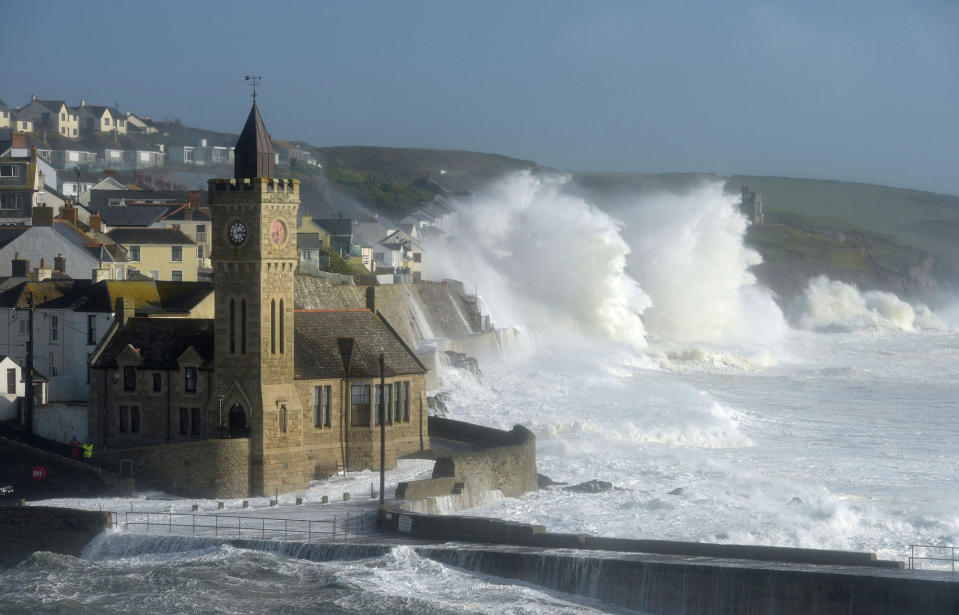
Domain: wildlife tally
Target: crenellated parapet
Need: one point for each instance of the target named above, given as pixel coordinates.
(253, 190)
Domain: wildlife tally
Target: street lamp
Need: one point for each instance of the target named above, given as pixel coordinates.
(219, 403)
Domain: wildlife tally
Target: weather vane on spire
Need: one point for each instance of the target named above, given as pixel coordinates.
(254, 81)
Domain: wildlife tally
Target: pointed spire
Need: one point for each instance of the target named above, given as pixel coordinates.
(254, 155)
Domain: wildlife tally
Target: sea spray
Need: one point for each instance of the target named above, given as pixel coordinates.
(546, 260)
(830, 304)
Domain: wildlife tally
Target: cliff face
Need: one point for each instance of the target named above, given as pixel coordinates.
(798, 248)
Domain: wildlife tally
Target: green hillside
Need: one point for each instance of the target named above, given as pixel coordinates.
(927, 220)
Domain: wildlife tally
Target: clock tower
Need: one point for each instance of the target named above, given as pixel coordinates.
(254, 258)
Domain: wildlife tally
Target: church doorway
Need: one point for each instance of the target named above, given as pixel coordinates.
(238, 425)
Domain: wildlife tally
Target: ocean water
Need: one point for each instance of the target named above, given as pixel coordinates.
(641, 351)
(650, 358)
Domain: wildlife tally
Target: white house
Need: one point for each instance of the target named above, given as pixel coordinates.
(11, 387)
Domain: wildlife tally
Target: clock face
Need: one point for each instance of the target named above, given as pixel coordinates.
(237, 232)
(277, 232)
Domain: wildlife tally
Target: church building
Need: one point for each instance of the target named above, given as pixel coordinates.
(263, 397)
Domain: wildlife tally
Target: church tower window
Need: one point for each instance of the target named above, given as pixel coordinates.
(273, 326)
(282, 329)
(232, 326)
(242, 326)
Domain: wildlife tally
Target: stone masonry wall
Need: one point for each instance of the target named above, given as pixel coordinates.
(504, 461)
(205, 468)
(27, 529)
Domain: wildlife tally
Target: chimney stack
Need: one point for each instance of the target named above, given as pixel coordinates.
(101, 274)
(125, 309)
(43, 272)
(20, 266)
(109, 173)
(371, 298)
(69, 213)
(18, 140)
(60, 263)
(95, 222)
(194, 198)
(42, 216)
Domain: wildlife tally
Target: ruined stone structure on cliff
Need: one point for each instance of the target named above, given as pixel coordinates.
(752, 205)
(297, 389)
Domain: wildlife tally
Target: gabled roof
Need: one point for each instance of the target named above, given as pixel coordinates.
(53, 105)
(308, 241)
(254, 154)
(146, 236)
(322, 349)
(9, 233)
(149, 296)
(132, 215)
(178, 213)
(338, 226)
(161, 341)
(97, 110)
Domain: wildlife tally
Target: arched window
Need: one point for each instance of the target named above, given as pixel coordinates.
(283, 418)
(282, 330)
(243, 326)
(273, 326)
(232, 326)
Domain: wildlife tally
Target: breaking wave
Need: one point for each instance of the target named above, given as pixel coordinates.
(831, 305)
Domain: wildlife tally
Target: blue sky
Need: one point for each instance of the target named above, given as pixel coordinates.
(861, 91)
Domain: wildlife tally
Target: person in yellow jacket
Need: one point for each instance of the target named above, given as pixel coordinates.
(88, 451)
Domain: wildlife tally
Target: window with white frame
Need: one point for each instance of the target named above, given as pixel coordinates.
(176, 275)
(199, 251)
(135, 253)
(9, 170)
(201, 233)
(176, 254)
(54, 328)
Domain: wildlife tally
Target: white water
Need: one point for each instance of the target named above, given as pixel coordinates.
(657, 363)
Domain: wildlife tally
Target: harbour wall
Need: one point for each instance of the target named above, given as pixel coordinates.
(26, 529)
(494, 462)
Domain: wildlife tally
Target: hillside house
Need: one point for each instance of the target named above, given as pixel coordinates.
(99, 118)
(51, 115)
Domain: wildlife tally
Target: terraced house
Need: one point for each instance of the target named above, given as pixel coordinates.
(298, 389)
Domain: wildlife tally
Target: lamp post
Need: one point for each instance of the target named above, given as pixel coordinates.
(219, 403)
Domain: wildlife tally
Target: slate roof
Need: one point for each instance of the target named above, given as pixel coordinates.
(323, 348)
(178, 212)
(132, 215)
(101, 198)
(54, 105)
(98, 110)
(337, 226)
(149, 296)
(254, 154)
(149, 236)
(161, 341)
(9, 233)
(308, 241)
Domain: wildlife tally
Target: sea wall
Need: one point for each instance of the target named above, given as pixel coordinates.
(671, 585)
(64, 475)
(207, 468)
(26, 529)
(490, 461)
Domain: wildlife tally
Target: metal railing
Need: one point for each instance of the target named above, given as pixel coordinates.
(932, 553)
(343, 528)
